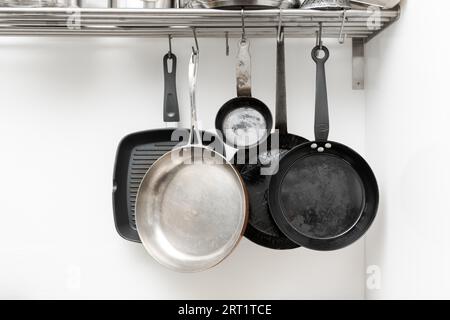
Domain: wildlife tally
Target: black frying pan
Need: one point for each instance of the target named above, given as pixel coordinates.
(325, 195)
(138, 151)
(261, 227)
(244, 122)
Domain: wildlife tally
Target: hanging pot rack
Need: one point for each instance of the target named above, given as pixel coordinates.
(179, 22)
(360, 25)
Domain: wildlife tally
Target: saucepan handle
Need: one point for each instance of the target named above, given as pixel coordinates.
(243, 69)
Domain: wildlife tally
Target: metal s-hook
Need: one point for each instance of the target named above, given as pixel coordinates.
(343, 35)
(227, 43)
(195, 50)
(319, 42)
(280, 25)
(170, 46)
(243, 36)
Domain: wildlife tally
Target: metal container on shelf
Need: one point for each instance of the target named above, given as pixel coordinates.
(193, 4)
(241, 4)
(238, 4)
(326, 5)
(385, 4)
(159, 4)
(35, 3)
(290, 4)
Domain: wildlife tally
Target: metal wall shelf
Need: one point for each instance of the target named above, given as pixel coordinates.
(179, 22)
(360, 25)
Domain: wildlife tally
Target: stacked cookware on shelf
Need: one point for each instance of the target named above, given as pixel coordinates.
(189, 203)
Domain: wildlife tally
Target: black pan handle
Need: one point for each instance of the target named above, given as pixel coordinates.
(322, 121)
(171, 110)
(280, 109)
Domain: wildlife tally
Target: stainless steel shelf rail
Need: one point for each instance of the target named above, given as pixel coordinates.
(179, 22)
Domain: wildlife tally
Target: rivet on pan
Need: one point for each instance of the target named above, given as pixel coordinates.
(314, 146)
(321, 149)
(328, 145)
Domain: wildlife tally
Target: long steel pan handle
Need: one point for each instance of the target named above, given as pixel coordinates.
(195, 137)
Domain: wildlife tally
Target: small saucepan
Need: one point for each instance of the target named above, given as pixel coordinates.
(244, 122)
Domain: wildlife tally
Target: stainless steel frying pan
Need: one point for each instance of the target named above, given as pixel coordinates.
(191, 207)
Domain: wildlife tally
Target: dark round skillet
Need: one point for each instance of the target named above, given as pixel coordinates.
(243, 122)
(259, 167)
(325, 195)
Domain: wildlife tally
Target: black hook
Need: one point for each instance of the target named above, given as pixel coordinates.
(343, 35)
(280, 25)
(319, 42)
(227, 44)
(243, 24)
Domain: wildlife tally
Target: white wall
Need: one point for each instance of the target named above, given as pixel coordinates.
(407, 120)
(66, 103)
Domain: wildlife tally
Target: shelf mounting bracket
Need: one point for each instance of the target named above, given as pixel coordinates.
(358, 64)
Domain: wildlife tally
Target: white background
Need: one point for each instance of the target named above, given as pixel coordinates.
(407, 142)
(66, 103)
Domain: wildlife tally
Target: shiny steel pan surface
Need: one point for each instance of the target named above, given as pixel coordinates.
(191, 208)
